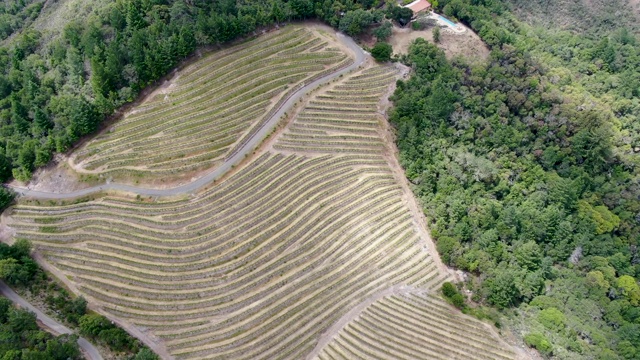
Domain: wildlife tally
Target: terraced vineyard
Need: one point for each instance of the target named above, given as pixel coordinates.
(212, 107)
(265, 263)
(342, 119)
(414, 326)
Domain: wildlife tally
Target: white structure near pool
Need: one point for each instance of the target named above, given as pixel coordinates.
(423, 6)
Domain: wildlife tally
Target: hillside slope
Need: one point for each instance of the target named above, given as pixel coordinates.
(262, 264)
(580, 15)
(527, 167)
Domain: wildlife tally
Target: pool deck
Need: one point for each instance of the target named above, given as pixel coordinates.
(456, 28)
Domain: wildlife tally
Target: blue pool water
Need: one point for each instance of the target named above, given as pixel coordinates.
(447, 20)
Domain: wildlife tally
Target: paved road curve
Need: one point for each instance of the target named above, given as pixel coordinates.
(228, 164)
(52, 324)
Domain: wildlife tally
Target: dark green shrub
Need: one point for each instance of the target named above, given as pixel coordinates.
(6, 197)
(448, 290)
(458, 300)
(382, 52)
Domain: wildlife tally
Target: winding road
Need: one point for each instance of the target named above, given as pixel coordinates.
(189, 188)
(229, 163)
(88, 348)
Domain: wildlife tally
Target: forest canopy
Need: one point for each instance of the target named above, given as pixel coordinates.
(526, 167)
(22, 339)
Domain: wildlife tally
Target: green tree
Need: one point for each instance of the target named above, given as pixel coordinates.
(436, 34)
(529, 255)
(6, 197)
(382, 52)
(384, 31)
(93, 324)
(5, 306)
(501, 289)
(355, 22)
(21, 248)
(303, 8)
(12, 355)
(458, 301)
(448, 247)
(552, 319)
(75, 309)
(116, 338)
(402, 15)
(276, 13)
(531, 285)
(146, 354)
(135, 14)
(41, 122)
(448, 289)
(539, 342)
(64, 347)
(11, 271)
(630, 289)
(596, 280)
(627, 350)
(603, 219)
(21, 320)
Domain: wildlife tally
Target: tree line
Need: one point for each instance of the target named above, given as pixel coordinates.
(56, 89)
(526, 168)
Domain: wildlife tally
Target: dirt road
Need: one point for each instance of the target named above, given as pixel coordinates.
(229, 163)
(88, 349)
(194, 186)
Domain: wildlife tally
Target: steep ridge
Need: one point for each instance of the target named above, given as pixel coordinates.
(272, 262)
(265, 263)
(211, 108)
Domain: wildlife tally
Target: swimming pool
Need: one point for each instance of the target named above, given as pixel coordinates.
(451, 23)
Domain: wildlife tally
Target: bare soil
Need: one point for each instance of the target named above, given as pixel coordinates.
(58, 177)
(467, 45)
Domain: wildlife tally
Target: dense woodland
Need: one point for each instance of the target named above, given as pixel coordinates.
(20, 338)
(16, 14)
(527, 169)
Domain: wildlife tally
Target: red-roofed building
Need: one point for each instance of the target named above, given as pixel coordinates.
(419, 6)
